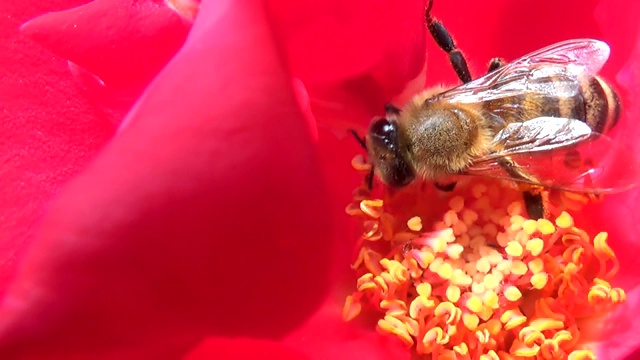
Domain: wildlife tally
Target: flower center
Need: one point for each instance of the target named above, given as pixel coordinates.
(481, 281)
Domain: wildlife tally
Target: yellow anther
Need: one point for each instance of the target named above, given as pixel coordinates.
(514, 249)
(370, 228)
(415, 223)
(470, 321)
(483, 336)
(518, 267)
(424, 289)
(491, 300)
(474, 304)
(448, 310)
(530, 226)
(478, 287)
(520, 349)
(351, 308)
(453, 293)
(359, 163)
(530, 336)
(420, 306)
(398, 273)
(546, 227)
(436, 264)
(371, 261)
(504, 266)
(460, 228)
(435, 336)
(544, 324)
(387, 224)
(539, 280)
(491, 282)
(512, 293)
(450, 218)
(515, 208)
(503, 239)
(372, 208)
(601, 246)
(394, 307)
(562, 336)
(425, 258)
(536, 265)
(454, 250)
(456, 203)
(469, 216)
(490, 230)
(512, 319)
(486, 313)
(461, 349)
(582, 355)
(439, 245)
(353, 209)
(395, 327)
(564, 221)
(535, 246)
(483, 265)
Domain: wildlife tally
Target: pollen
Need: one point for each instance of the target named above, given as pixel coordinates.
(467, 275)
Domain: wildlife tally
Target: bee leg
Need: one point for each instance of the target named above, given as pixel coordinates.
(446, 187)
(359, 139)
(534, 197)
(369, 179)
(446, 43)
(534, 203)
(495, 64)
(391, 109)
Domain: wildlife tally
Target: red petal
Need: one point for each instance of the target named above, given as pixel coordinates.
(48, 131)
(206, 213)
(243, 349)
(327, 336)
(329, 41)
(353, 57)
(617, 213)
(124, 42)
(621, 330)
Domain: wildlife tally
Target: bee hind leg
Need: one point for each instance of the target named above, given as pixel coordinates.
(446, 43)
(535, 203)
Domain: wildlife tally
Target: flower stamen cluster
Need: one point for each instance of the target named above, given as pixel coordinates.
(482, 280)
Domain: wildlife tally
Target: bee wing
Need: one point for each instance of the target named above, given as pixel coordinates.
(552, 71)
(562, 154)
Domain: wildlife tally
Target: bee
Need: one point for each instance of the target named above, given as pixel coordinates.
(540, 121)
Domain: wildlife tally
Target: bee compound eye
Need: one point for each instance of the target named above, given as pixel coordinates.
(382, 128)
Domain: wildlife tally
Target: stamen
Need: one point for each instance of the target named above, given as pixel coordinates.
(472, 277)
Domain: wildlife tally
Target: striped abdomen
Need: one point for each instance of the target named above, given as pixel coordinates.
(592, 101)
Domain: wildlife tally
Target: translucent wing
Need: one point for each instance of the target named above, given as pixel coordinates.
(538, 134)
(561, 154)
(552, 72)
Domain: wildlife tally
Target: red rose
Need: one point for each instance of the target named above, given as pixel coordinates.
(215, 207)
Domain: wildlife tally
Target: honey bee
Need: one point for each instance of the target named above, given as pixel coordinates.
(540, 121)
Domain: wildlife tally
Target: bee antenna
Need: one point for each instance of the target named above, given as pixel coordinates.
(359, 139)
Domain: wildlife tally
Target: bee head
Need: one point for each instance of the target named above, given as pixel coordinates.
(387, 155)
